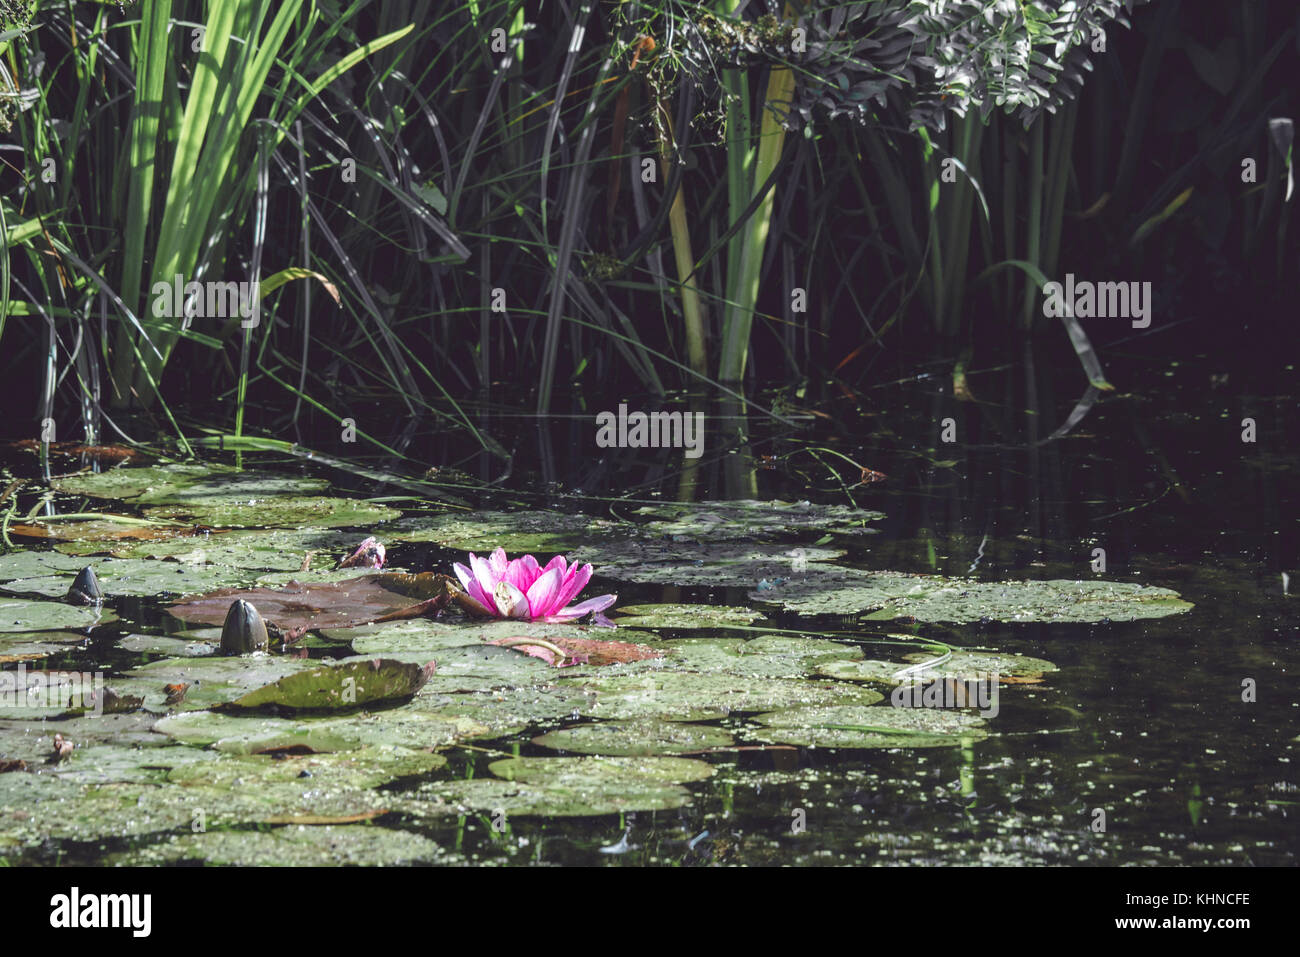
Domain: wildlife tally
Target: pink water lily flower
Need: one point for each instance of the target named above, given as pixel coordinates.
(523, 589)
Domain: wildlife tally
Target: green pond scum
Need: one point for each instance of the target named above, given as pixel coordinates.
(406, 725)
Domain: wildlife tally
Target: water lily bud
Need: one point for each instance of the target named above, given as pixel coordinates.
(244, 630)
(85, 589)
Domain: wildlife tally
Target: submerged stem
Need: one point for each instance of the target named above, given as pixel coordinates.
(560, 653)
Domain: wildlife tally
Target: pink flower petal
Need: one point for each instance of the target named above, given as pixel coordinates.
(558, 562)
(498, 562)
(473, 589)
(579, 575)
(510, 601)
(484, 575)
(542, 596)
(522, 573)
(585, 608)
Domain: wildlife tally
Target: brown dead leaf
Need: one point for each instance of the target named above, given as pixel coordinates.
(584, 650)
(93, 530)
(384, 596)
(315, 819)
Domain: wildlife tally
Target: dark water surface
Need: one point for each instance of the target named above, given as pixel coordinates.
(1144, 723)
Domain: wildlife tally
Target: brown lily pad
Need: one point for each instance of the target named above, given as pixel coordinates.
(298, 607)
(95, 530)
(104, 453)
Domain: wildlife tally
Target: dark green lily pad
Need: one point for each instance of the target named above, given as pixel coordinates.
(253, 735)
(48, 692)
(962, 665)
(685, 616)
(769, 656)
(747, 519)
(494, 796)
(479, 668)
(103, 531)
(277, 512)
(873, 727)
(534, 532)
(315, 576)
(350, 684)
(395, 637)
(635, 738)
(33, 564)
(716, 566)
(108, 763)
(887, 595)
(598, 771)
(702, 697)
(397, 727)
(175, 647)
(366, 767)
(618, 550)
(24, 615)
(18, 646)
(26, 651)
(108, 747)
(403, 637)
(185, 483)
(353, 845)
(138, 578)
(38, 807)
(211, 680)
(563, 787)
(249, 550)
(35, 808)
(509, 711)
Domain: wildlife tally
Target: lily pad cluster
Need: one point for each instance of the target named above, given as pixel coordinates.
(287, 758)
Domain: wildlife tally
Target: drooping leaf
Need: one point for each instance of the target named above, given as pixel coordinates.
(335, 687)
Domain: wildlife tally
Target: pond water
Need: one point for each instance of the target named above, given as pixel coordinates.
(1170, 739)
